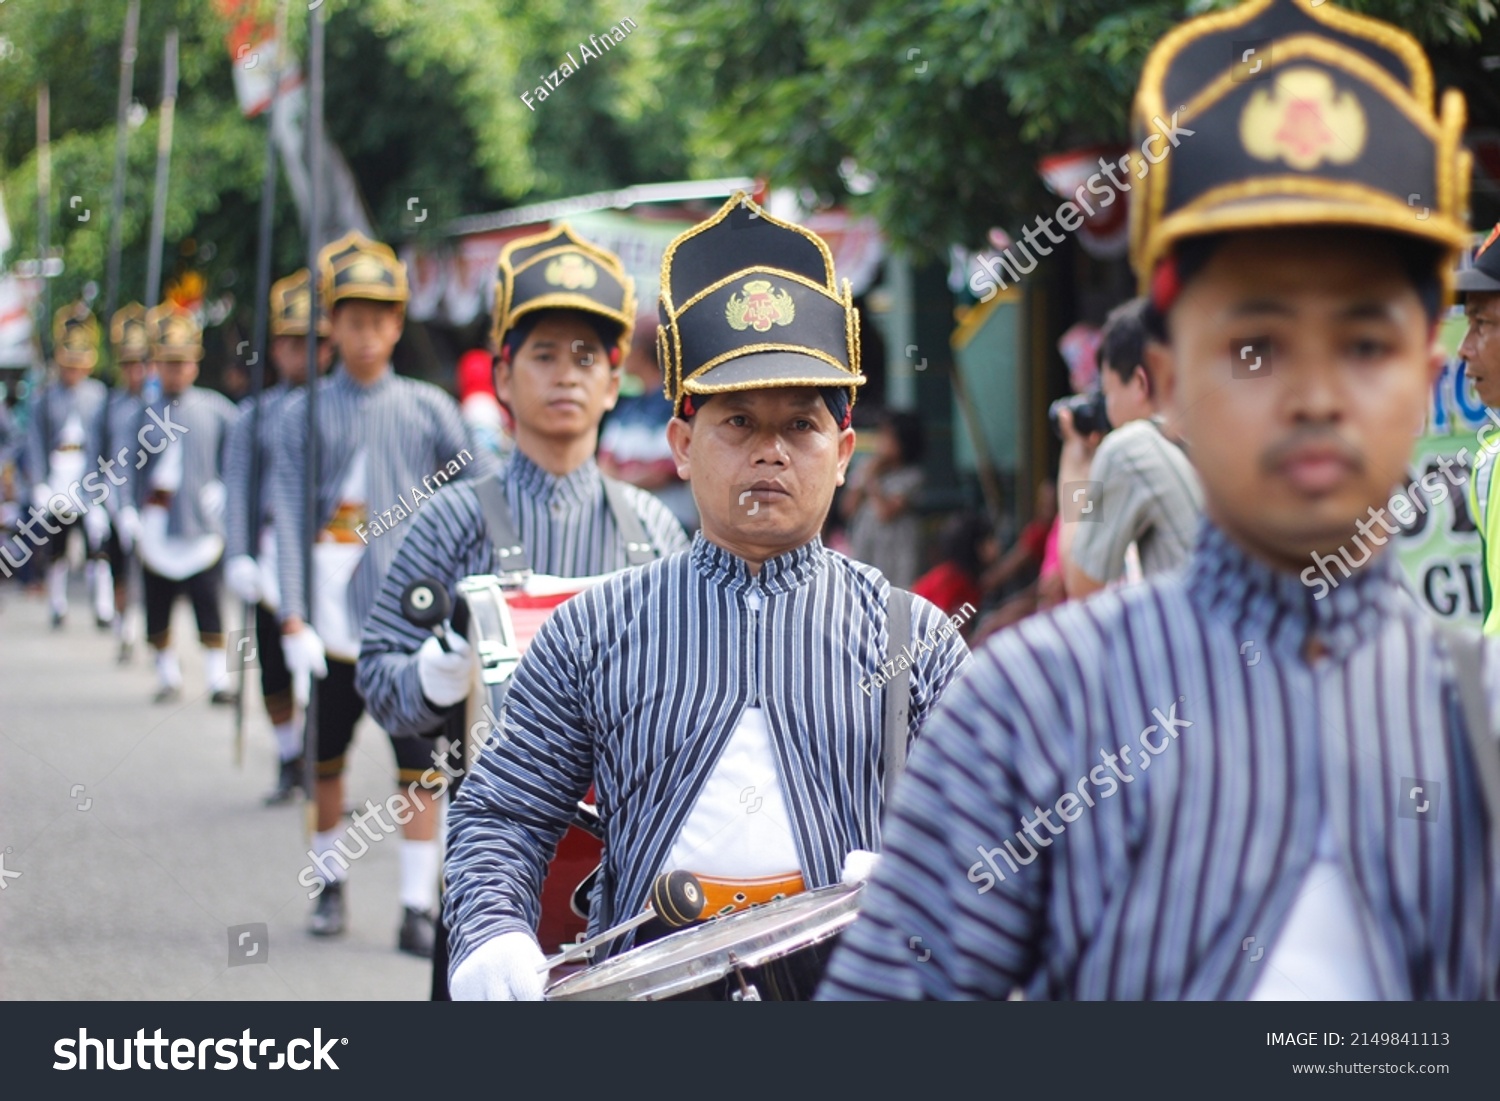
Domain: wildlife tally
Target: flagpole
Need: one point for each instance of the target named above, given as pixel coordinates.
(259, 343)
(122, 144)
(163, 170)
(310, 473)
(44, 211)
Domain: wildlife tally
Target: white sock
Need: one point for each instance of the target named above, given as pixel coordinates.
(215, 670)
(125, 623)
(419, 874)
(331, 869)
(57, 586)
(104, 592)
(168, 672)
(289, 738)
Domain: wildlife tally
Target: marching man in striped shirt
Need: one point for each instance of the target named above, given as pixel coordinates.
(1222, 784)
(678, 687)
(119, 428)
(564, 311)
(176, 510)
(250, 553)
(379, 436)
(61, 446)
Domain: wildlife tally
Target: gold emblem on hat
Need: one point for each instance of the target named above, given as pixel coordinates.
(1304, 120)
(367, 270)
(761, 307)
(572, 272)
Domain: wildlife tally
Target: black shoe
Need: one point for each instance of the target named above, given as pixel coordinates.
(103, 624)
(417, 933)
(57, 620)
(328, 915)
(167, 693)
(127, 652)
(288, 783)
(224, 697)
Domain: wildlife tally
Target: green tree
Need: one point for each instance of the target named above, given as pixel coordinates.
(950, 103)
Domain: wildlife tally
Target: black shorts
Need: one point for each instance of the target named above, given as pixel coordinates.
(162, 592)
(339, 709)
(275, 677)
(57, 545)
(119, 561)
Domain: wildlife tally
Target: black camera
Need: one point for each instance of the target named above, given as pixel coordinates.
(1089, 413)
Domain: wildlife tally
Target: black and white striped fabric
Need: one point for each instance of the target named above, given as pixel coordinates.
(49, 413)
(120, 427)
(567, 528)
(198, 422)
(409, 430)
(1162, 882)
(241, 537)
(637, 684)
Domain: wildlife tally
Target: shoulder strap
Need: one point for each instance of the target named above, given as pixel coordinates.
(497, 519)
(898, 689)
(1465, 648)
(638, 546)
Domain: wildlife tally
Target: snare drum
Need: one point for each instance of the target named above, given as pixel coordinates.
(775, 952)
(503, 618)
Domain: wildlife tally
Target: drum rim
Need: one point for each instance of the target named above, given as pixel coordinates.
(686, 975)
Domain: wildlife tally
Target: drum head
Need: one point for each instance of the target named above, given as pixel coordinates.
(690, 958)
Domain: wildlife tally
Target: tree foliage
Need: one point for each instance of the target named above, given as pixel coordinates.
(950, 103)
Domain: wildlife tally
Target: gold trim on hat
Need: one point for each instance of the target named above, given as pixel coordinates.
(1152, 236)
(691, 384)
(567, 243)
(675, 386)
(336, 256)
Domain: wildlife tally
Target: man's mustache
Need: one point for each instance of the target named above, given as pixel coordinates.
(1310, 436)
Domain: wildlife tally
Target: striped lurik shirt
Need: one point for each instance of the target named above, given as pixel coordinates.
(1153, 887)
(408, 430)
(564, 523)
(199, 420)
(50, 410)
(637, 684)
(241, 536)
(119, 437)
(1148, 494)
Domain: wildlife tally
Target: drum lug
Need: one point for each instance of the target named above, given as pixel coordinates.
(747, 991)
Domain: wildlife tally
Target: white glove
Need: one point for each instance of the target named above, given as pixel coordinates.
(502, 969)
(242, 576)
(446, 677)
(41, 493)
(96, 526)
(211, 499)
(128, 524)
(859, 866)
(305, 659)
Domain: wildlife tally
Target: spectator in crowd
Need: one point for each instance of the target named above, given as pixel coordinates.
(968, 547)
(633, 443)
(1143, 489)
(480, 409)
(884, 530)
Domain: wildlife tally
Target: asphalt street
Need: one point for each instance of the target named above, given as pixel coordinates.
(133, 847)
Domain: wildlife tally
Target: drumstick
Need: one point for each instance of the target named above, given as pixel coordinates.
(676, 898)
(425, 603)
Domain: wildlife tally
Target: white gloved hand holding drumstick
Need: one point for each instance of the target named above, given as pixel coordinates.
(506, 968)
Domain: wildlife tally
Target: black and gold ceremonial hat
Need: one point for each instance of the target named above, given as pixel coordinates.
(291, 301)
(127, 332)
(558, 270)
(750, 302)
(1484, 273)
(174, 334)
(356, 267)
(1284, 113)
(75, 336)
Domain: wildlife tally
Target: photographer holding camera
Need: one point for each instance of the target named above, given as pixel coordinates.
(1141, 486)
